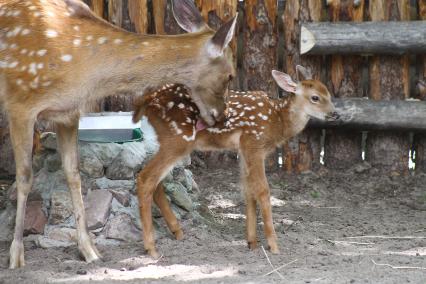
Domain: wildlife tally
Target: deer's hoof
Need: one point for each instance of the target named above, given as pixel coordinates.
(274, 249)
(153, 253)
(178, 235)
(252, 245)
(17, 259)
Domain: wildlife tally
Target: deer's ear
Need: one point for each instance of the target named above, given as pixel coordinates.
(303, 73)
(222, 38)
(187, 15)
(284, 81)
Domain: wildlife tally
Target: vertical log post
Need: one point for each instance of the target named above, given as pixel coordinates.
(301, 153)
(343, 148)
(260, 51)
(165, 22)
(420, 138)
(389, 80)
(216, 13)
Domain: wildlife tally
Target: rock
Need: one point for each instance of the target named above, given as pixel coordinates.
(132, 210)
(38, 161)
(53, 162)
(185, 162)
(184, 177)
(48, 140)
(7, 222)
(361, 167)
(122, 196)
(105, 183)
(98, 205)
(128, 162)
(89, 162)
(62, 234)
(45, 242)
(179, 195)
(106, 152)
(35, 218)
(61, 207)
(122, 228)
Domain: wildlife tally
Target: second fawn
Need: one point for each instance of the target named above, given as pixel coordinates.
(254, 126)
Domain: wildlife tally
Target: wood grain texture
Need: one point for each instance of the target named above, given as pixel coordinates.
(165, 22)
(363, 114)
(343, 148)
(98, 7)
(394, 38)
(301, 153)
(389, 81)
(419, 140)
(138, 12)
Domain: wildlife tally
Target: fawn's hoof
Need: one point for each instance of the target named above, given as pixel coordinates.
(153, 253)
(274, 249)
(88, 251)
(17, 259)
(252, 245)
(178, 235)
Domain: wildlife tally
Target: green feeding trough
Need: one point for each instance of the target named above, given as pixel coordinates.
(109, 127)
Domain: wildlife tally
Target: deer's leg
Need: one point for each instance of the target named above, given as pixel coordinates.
(251, 219)
(67, 142)
(147, 181)
(171, 220)
(258, 188)
(21, 132)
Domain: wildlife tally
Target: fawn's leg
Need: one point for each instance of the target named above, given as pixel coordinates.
(67, 142)
(258, 188)
(251, 219)
(164, 205)
(21, 132)
(147, 182)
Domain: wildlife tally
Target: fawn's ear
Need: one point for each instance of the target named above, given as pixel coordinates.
(303, 73)
(187, 15)
(284, 81)
(222, 38)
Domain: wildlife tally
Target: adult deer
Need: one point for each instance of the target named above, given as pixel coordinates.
(57, 58)
(254, 126)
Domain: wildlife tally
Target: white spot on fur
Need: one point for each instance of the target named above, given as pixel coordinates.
(260, 104)
(25, 32)
(40, 66)
(252, 117)
(51, 33)
(102, 40)
(76, 42)
(76, 28)
(66, 57)
(89, 37)
(36, 14)
(19, 82)
(118, 41)
(181, 105)
(170, 105)
(41, 52)
(33, 68)
(13, 64)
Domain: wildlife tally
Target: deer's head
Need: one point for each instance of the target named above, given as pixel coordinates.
(214, 65)
(312, 96)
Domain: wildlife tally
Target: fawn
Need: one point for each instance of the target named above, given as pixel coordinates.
(254, 126)
(57, 59)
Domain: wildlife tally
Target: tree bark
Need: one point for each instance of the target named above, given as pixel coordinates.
(301, 153)
(392, 38)
(419, 139)
(389, 81)
(343, 148)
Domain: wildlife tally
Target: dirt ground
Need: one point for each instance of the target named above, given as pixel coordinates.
(352, 227)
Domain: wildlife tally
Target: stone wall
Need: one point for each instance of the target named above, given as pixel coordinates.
(108, 171)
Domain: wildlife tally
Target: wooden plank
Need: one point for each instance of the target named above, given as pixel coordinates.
(138, 13)
(216, 13)
(394, 38)
(343, 148)
(165, 22)
(259, 51)
(365, 114)
(419, 139)
(388, 81)
(301, 153)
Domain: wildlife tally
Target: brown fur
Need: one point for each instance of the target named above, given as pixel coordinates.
(254, 126)
(57, 59)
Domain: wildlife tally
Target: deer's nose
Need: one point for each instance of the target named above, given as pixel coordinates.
(333, 115)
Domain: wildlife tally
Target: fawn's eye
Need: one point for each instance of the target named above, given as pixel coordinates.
(230, 77)
(315, 99)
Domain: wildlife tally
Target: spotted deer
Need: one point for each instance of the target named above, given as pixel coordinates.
(57, 59)
(254, 125)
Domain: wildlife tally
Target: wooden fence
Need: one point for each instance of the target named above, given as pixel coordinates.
(268, 37)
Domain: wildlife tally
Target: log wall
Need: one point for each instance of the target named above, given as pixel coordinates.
(268, 38)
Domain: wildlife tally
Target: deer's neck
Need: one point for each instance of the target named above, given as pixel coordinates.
(293, 116)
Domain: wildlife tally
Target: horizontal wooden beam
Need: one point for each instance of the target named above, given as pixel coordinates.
(363, 38)
(365, 114)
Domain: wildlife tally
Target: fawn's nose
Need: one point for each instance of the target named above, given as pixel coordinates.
(333, 115)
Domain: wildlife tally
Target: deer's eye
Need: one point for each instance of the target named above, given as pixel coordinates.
(230, 77)
(315, 99)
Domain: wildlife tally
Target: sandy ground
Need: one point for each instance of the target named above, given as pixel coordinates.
(352, 227)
